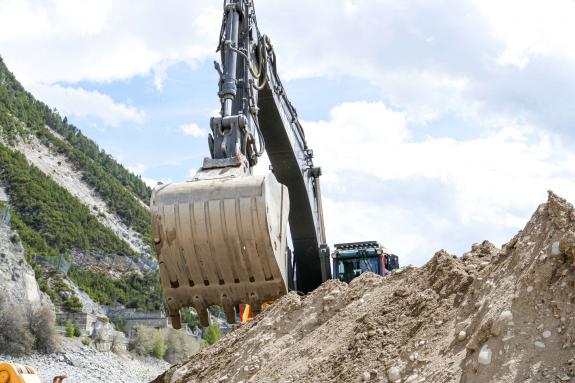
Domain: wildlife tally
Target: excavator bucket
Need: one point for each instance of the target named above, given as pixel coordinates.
(221, 242)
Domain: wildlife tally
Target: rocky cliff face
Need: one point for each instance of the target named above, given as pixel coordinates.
(17, 280)
(112, 264)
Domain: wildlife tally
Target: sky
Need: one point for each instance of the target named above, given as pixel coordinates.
(437, 123)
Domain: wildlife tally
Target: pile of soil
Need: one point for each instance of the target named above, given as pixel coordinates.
(492, 315)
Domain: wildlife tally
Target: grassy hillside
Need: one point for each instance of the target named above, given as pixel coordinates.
(22, 114)
(142, 292)
(49, 220)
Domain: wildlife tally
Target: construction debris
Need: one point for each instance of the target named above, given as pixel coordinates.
(492, 315)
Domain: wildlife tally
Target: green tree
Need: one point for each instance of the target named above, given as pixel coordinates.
(212, 334)
(139, 291)
(49, 220)
(158, 346)
(69, 327)
(190, 316)
(73, 305)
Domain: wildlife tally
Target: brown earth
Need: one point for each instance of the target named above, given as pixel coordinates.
(489, 316)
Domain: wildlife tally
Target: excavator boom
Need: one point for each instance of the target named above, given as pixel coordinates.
(221, 238)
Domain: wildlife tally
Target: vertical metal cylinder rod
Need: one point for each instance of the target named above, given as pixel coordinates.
(319, 209)
(231, 57)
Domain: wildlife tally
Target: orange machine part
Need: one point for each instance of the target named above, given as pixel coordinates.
(246, 313)
(17, 373)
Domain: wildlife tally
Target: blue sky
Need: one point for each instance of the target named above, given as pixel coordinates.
(188, 96)
(437, 123)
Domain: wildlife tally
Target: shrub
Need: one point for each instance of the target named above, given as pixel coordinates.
(120, 325)
(51, 221)
(77, 332)
(148, 342)
(180, 346)
(14, 238)
(190, 316)
(41, 324)
(142, 344)
(15, 337)
(116, 343)
(212, 334)
(86, 341)
(69, 329)
(60, 286)
(73, 305)
(158, 346)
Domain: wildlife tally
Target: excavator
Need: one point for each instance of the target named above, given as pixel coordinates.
(222, 238)
(20, 373)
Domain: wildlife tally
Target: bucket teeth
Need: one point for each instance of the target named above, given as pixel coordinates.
(176, 320)
(204, 317)
(230, 313)
(221, 242)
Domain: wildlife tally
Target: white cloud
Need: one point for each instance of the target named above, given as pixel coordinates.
(137, 168)
(424, 95)
(152, 182)
(531, 28)
(87, 103)
(494, 181)
(193, 130)
(456, 73)
(140, 169)
(68, 41)
(426, 62)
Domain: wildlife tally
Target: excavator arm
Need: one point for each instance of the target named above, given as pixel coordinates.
(221, 239)
(292, 164)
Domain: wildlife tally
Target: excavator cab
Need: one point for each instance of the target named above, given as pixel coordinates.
(355, 258)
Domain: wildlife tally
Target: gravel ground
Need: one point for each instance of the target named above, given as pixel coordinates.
(87, 365)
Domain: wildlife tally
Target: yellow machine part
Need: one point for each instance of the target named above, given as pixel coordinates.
(18, 373)
(221, 242)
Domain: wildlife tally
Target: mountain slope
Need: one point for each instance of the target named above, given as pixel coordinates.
(22, 116)
(65, 174)
(49, 219)
(68, 198)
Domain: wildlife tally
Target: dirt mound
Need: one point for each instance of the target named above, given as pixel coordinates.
(492, 315)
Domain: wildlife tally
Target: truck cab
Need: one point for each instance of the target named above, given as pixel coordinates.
(355, 258)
